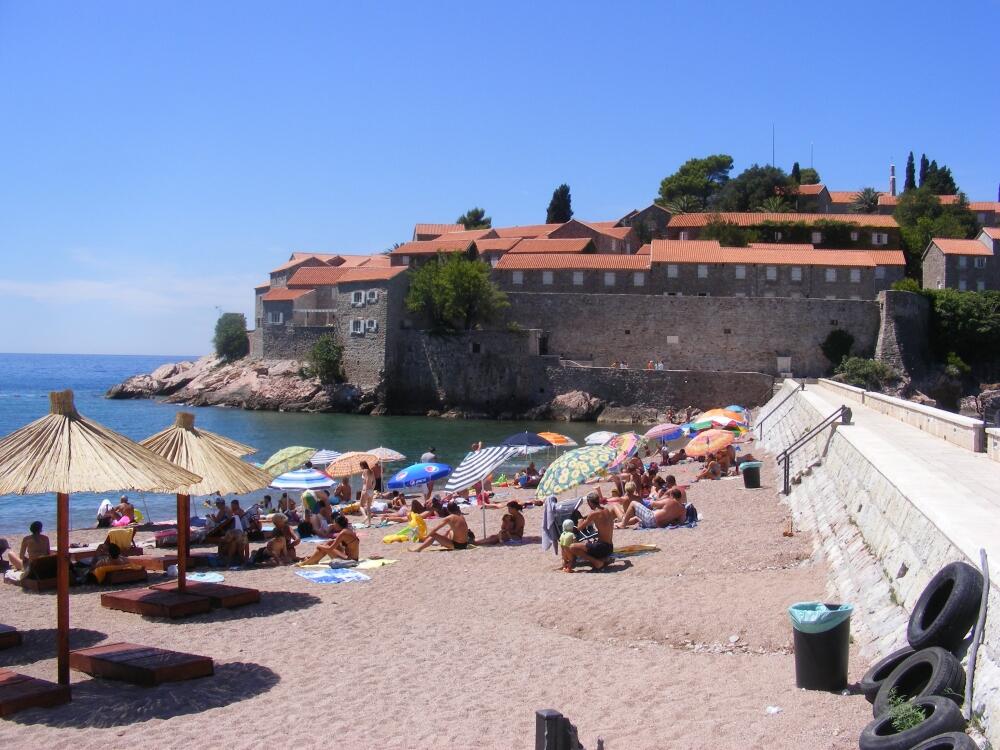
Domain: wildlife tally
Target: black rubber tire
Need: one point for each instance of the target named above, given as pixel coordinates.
(947, 609)
(874, 677)
(949, 741)
(930, 671)
(943, 716)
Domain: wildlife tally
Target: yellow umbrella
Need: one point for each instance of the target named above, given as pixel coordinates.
(709, 441)
(350, 463)
(64, 452)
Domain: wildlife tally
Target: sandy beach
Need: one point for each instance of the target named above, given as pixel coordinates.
(685, 647)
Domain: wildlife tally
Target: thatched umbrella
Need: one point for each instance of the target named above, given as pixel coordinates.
(221, 471)
(226, 445)
(64, 452)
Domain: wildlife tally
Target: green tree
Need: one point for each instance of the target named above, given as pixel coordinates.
(727, 233)
(796, 174)
(866, 201)
(939, 180)
(751, 188)
(924, 164)
(684, 204)
(455, 293)
(837, 345)
(907, 284)
(230, 340)
(560, 207)
(870, 374)
(326, 360)
(921, 216)
(696, 180)
(911, 180)
(774, 204)
(475, 218)
(809, 177)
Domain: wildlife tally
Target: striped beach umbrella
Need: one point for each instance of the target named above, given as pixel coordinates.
(478, 465)
(323, 457)
(302, 479)
(575, 467)
(665, 431)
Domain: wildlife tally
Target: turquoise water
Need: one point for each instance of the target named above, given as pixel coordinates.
(26, 379)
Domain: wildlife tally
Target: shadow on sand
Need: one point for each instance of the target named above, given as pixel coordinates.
(271, 603)
(38, 645)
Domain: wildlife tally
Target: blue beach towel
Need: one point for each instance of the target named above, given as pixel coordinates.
(332, 575)
(206, 577)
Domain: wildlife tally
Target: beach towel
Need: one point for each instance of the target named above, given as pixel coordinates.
(631, 550)
(332, 576)
(372, 564)
(314, 539)
(206, 577)
(101, 571)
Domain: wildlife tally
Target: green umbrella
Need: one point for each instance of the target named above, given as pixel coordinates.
(575, 467)
(287, 459)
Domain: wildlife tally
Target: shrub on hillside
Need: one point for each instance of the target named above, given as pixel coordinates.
(907, 285)
(326, 360)
(837, 345)
(230, 340)
(870, 374)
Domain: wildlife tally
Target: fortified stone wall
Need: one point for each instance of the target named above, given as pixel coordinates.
(695, 333)
(902, 335)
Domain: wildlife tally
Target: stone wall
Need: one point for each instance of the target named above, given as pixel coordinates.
(695, 333)
(903, 332)
(256, 337)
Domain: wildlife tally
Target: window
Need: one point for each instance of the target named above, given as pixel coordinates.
(404, 260)
(702, 294)
(614, 246)
(371, 324)
(980, 286)
(879, 272)
(494, 259)
(778, 236)
(372, 296)
(855, 275)
(547, 278)
(684, 235)
(854, 236)
(817, 237)
(834, 321)
(981, 218)
(772, 273)
(702, 271)
(357, 327)
(979, 262)
(577, 278)
(275, 318)
(357, 298)
(962, 286)
(962, 261)
(673, 340)
(796, 273)
(671, 270)
(609, 278)
(831, 275)
(741, 272)
(880, 238)
(517, 277)
(639, 278)
(477, 348)
(727, 330)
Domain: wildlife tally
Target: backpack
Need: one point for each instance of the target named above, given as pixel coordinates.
(691, 515)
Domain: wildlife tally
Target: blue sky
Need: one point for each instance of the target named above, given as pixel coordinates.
(158, 158)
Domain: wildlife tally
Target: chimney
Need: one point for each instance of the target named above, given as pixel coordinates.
(892, 179)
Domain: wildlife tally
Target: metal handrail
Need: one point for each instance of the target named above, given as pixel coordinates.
(843, 413)
(760, 422)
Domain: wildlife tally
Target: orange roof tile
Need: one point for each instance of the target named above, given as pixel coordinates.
(572, 262)
(313, 276)
(843, 196)
(528, 230)
(284, 295)
(644, 250)
(616, 232)
(296, 260)
(781, 245)
(888, 257)
(709, 251)
(265, 285)
(470, 234)
(380, 260)
(371, 273)
(992, 232)
(752, 219)
(962, 247)
(885, 199)
(432, 247)
(985, 206)
(812, 189)
(602, 224)
(500, 244)
(353, 261)
(436, 229)
(545, 245)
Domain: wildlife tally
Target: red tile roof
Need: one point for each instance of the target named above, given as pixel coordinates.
(992, 232)
(572, 262)
(985, 206)
(371, 273)
(313, 276)
(436, 229)
(749, 219)
(284, 295)
(709, 251)
(297, 260)
(962, 247)
(644, 250)
(379, 260)
(619, 233)
(545, 245)
(603, 224)
(781, 246)
(265, 285)
(432, 247)
(812, 189)
(528, 230)
(843, 196)
(470, 234)
(885, 199)
(888, 257)
(499, 245)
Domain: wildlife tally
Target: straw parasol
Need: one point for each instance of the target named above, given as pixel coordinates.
(350, 463)
(220, 471)
(64, 452)
(227, 445)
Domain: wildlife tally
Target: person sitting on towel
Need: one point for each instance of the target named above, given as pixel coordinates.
(282, 527)
(594, 551)
(671, 484)
(32, 547)
(108, 556)
(712, 470)
(659, 514)
(455, 534)
(343, 492)
(344, 546)
(511, 526)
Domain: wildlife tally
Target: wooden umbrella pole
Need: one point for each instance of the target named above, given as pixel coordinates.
(62, 583)
(183, 531)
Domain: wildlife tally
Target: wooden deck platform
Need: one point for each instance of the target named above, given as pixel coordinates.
(155, 603)
(9, 637)
(18, 692)
(219, 594)
(161, 563)
(140, 665)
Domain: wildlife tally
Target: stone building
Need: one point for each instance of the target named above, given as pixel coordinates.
(413, 254)
(607, 236)
(649, 223)
(813, 199)
(854, 231)
(573, 273)
(433, 231)
(965, 265)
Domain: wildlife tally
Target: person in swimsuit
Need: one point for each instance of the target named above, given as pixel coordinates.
(456, 536)
(657, 515)
(596, 551)
(284, 529)
(344, 546)
(32, 547)
(367, 492)
(712, 470)
(511, 526)
(377, 473)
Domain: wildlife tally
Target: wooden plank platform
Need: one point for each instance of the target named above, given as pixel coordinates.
(160, 564)
(155, 603)
(140, 665)
(18, 692)
(125, 575)
(219, 594)
(9, 637)
(32, 584)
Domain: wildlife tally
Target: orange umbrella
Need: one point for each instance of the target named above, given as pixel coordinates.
(733, 415)
(557, 439)
(709, 441)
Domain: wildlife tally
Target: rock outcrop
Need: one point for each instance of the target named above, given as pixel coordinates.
(274, 385)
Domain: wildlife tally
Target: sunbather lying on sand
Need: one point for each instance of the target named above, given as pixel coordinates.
(344, 546)
(654, 514)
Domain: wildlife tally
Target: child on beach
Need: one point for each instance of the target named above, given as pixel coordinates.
(566, 539)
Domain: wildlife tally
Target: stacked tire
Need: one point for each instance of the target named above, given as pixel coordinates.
(927, 672)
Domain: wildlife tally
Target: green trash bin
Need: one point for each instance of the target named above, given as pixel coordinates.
(751, 474)
(822, 635)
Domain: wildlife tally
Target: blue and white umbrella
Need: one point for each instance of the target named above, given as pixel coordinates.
(323, 457)
(302, 479)
(411, 476)
(527, 439)
(478, 465)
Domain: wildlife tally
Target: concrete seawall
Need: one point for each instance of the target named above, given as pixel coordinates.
(886, 520)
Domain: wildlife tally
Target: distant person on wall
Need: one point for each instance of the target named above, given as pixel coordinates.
(650, 365)
(661, 366)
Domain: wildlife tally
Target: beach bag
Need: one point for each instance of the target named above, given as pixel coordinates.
(306, 529)
(691, 515)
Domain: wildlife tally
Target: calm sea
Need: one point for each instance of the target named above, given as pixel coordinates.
(26, 379)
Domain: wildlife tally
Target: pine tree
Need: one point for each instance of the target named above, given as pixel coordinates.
(560, 207)
(924, 164)
(796, 174)
(911, 180)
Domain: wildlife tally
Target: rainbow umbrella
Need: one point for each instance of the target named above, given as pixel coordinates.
(575, 467)
(709, 441)
(665, 431)
(627, 444)
(558, 440)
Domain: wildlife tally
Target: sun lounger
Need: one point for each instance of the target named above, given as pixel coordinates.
(140, 665)
(41, 575)
(9, 637)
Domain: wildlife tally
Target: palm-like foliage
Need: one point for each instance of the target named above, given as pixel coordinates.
(866, 201)
(774, 204)
(684, 204)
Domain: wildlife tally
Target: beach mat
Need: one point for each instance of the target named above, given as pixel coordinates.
(206, 577)
(373, 564)
(329, 575)
(631, 550)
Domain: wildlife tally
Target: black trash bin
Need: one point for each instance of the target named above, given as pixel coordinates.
(751, 474)
(822, 634)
